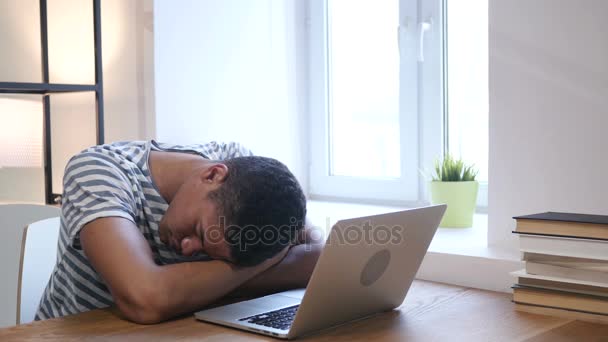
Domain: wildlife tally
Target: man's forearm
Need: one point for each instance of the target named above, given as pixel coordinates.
(182, 288)
(293, 271)
(185, 287)
(196, 284)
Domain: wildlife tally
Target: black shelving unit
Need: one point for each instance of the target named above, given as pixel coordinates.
(46, 89)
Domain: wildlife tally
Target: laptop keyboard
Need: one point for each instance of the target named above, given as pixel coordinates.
(278, 319)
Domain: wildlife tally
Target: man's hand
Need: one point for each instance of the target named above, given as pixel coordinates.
(148, 293)
(266, 264)
(293, 271)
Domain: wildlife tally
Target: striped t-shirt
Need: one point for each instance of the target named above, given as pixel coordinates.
(103, 181)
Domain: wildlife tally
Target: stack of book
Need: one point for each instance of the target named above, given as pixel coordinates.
(566, 258)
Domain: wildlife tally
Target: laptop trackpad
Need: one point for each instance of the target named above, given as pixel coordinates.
(272, 302)
(297, 293)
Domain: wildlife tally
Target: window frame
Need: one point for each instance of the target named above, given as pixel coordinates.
(324, 185)
(423, 132)
(482, 195)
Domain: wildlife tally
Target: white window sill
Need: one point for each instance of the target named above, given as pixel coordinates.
(470, 241)
(463, 241)
(459, 256)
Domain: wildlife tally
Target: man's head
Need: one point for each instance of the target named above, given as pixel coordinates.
(244, 210)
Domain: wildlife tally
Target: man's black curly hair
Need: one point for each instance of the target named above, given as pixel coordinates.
(263, 208)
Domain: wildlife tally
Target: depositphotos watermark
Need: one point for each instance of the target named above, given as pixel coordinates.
(249, 236)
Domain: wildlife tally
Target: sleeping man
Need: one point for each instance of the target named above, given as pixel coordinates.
(159, 230)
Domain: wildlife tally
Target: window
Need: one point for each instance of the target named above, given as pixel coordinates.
(467, 85)
(380, 110)
(363, 89)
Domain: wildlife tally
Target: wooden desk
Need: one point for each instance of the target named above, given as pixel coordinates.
(431, 312)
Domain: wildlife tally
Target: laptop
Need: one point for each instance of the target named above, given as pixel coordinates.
(365, 268)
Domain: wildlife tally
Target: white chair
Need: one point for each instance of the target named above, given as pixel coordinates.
(38, 257)
(13, 219)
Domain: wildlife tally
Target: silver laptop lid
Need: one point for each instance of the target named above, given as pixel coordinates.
(366, 267)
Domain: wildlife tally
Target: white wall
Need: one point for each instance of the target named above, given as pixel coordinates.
(128, 77)
(230, 70)
(548, 109)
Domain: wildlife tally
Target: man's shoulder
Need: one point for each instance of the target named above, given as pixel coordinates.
(116, 154)
(226, 150)
(215, 150)
(122, 148)
(116, 161)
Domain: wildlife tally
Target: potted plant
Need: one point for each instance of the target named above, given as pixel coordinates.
(454, 184)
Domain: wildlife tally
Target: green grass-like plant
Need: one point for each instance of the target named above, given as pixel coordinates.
(453, 170)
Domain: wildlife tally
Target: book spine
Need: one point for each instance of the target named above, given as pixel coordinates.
(569, 314)
(578, 248)
(565, 272)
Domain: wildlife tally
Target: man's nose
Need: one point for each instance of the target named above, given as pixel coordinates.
(190, 246)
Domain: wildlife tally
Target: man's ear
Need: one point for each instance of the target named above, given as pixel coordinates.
(215, 173)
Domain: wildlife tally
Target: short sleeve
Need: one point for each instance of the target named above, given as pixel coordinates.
(95, 185)
(223, 151)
